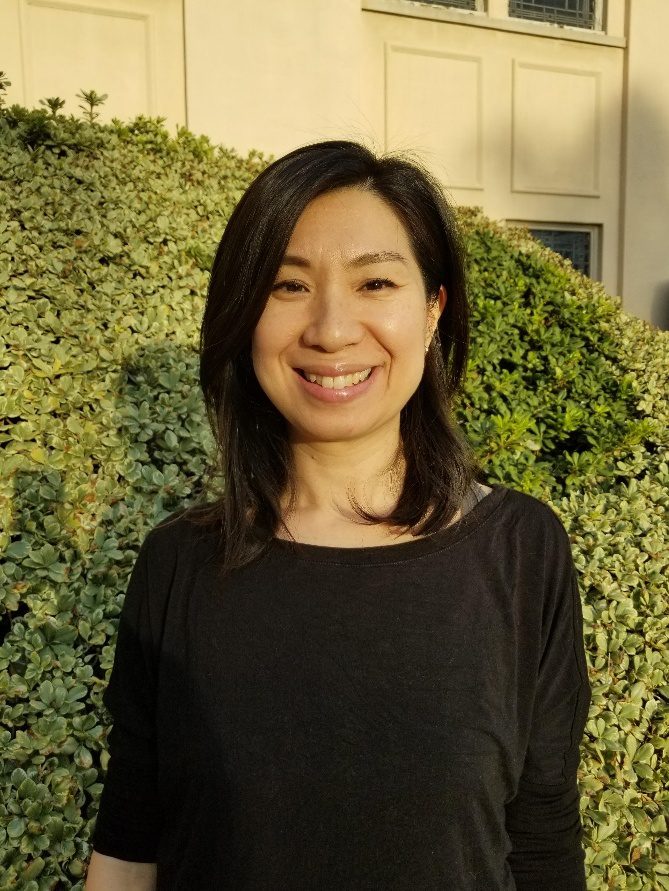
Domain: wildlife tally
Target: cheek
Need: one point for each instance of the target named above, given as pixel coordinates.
(269, 343)
(404, 330)
(265, 341)
(274, 333)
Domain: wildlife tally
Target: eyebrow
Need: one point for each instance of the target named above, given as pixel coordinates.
(361, 260)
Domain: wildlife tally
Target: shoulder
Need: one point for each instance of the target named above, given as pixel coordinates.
(531, 537)
(532, 517)
(185, 526)
(170, 555)
(177, 542)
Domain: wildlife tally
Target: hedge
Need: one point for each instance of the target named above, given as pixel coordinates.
(107, 232)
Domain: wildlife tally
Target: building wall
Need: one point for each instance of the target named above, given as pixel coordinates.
(533, 123)
(274, 75)
(644, 249)
(130, 49)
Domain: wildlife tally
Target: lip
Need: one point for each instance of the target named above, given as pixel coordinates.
(346, 394)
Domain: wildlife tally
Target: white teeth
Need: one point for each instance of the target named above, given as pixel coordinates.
(341, 381)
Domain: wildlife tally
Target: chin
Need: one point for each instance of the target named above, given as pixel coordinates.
(330, 434)
(343, 431)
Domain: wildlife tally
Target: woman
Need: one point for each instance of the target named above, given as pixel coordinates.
(360, 666)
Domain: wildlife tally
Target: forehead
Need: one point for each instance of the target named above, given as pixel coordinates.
(348, 218)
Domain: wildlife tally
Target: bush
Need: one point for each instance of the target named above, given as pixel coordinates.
(106, 239)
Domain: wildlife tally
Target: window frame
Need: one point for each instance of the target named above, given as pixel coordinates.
(593, 229)
(491, 14)
(479, 5)
(598, 27)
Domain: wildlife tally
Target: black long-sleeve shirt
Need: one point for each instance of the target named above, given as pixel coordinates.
(405, 716)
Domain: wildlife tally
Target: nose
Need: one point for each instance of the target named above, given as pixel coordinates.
(333, 321)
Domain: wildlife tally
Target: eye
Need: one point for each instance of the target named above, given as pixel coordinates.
(287, 285)
(384, 282)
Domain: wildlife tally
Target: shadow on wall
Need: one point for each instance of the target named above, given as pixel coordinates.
(644, 261)
(660, 306)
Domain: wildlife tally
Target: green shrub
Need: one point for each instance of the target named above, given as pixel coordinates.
(107, 233)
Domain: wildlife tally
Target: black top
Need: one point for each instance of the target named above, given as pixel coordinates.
(403, 716)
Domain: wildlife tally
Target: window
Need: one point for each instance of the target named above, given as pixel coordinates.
(578, 13)
(458, 4)
(576, 244)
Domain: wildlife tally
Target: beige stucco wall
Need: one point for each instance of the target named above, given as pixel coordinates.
(644, 253)
(274, 75)
(533, 123)
(130, 49)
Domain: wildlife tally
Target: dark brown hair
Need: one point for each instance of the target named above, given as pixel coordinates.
(253, 455)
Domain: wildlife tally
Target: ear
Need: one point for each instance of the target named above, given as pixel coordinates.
(435, 309)
(442, 299)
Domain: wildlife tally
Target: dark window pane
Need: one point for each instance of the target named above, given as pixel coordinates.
(573, 245)
(580, 13)
(459, 4)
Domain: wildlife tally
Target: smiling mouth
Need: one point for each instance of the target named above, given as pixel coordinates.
(339, 382)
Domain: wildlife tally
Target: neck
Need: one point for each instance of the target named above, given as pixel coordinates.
(330, 477)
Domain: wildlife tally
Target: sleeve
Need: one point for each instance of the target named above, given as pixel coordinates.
(127, 824)
(543, 820)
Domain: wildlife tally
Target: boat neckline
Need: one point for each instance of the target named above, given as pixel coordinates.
(477, 516)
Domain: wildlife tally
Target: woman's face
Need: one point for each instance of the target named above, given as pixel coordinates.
(348, 297)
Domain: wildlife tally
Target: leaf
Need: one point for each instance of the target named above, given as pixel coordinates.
(644, 753)
(18, 549)
(46, 692)
(659, 825)
(16, 827)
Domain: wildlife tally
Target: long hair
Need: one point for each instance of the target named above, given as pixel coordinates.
(253, 455)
